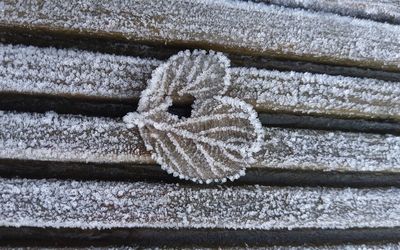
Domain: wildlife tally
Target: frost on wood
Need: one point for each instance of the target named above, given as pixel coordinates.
(218, 141)
(88, 139)
(386, 10)
(32, 70)
(316, 93)
(72, 204)
(52, 137)
(337, 246)
(242, 27)
(340, 246)
(330, 151)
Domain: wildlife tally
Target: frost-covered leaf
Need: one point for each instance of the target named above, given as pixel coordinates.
(198, 74)
(219, 139)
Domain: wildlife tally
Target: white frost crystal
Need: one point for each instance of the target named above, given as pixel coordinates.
(220, 138)
(100, 205)
(83, 74)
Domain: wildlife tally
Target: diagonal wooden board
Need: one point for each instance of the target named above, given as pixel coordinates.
(88, 75)
(52, 137)
(237, 27)
(73, 204)
(383, 11)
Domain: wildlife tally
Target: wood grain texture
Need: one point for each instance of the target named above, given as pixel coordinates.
(162, 213)
(41, 38)
(382, 11)
(241, 28)
(87, 75)
(144, 238)
(12, 168)
(70, 138)
(376, 246)
(52, 137)
(101, 205)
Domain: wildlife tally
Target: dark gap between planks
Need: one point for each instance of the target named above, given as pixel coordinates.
(117, 109)
(156, 237)
(11, 168)
(97, 43)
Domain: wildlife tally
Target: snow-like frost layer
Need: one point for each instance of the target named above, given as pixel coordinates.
(316, 93)
(32, 70)
(230, 25)
(383, 10)
(53, 137)
(375, 246)
(323, 150)
(51, 203)
(71, 72)
(89, 139)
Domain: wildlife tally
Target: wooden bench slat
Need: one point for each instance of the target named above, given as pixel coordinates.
(69, 138)
(67, 72)
(72, 204)
(384, 11)
(71, 73)
(52, 137)
(237, 27)
(375, 246)
(307, 93)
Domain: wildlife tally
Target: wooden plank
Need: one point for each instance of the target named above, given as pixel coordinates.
(70, 138)
(67, 72)
(88, 75)
(306, 93)
(241, 28)
(12, 168)
(383, 11)
(376, 246)
(150, 238)
(72, 204)
(42, 38)
(52, 137)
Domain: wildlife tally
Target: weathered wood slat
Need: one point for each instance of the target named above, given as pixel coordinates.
(69, 138)
(65, 72)
(376, 246)
(244, 28)
(52, 137)
(72, 204)
(200, 238)
(42, 38)
(12, 168)
(384, 11)
(80, 74)
(292, 92)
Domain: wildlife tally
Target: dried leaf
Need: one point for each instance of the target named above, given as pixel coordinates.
(196, 73)
(220, 138)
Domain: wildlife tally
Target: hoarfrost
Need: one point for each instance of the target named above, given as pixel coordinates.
(231, 25)
(42, 137)
(218, 141)
(76, 204)
(53, 137)
(32, 70)
(386, 11)
(68, 72)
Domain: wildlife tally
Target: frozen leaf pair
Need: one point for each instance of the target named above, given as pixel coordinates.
(218, 141)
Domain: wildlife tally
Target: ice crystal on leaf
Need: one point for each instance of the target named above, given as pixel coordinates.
(218, 141)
